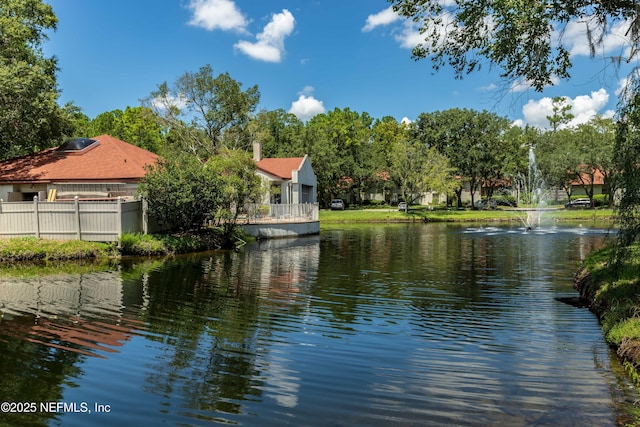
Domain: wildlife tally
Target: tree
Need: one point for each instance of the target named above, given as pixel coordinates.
(626, 177)
(29, 115)
(136, 125)
(418, 169)
(338, 142)
(181, 193)
(110, 123)
(517, 36)
(280, 133)
(594, 145)
(561, 112)
(386, 134)
(239, 185)
(470, 139)
(203, 113)
(557, 157)
(75, 123)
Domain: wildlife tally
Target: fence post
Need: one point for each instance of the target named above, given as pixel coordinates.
(145, 219)
(119, 219)
(78, 229)
(36, 216)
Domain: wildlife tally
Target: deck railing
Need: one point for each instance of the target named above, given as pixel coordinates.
(298, 212)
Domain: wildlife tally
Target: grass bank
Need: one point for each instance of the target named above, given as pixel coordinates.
(613, 294)
(454, 215)
(31, 249)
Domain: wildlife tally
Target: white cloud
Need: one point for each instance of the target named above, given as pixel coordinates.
(615, 38)
(521, 85)
(583, 108)
(409, 37)
(217, 15)
(164, 103)
(306, 106)
(269, 46)
(385, 17)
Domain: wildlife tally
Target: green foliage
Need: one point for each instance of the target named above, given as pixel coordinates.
(505, 200)
(561, 112)
(182, 193)
(238, 185)
(474, 142)
(627, 179)
(338, 144)
(280, 133)
(416, 169)
(136, 125)
(204, 113)
(30, 118)
(614, 289)
(517, 36)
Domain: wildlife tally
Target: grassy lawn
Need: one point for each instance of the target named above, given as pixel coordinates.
(445, 215)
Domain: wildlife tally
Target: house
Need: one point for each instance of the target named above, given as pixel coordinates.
(595, 179)
(102, 167)
(291, 179)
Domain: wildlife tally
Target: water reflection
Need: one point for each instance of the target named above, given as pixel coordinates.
(375, 325)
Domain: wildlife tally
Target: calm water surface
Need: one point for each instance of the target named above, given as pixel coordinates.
(379, 325)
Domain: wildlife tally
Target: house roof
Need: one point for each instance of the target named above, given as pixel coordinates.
(598, 178)
(107, 160)
(280, 167)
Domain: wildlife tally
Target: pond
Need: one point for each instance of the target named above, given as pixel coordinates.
(377, 325)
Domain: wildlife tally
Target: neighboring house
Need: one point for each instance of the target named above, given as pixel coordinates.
(596, 180)
(291, 180)
(102, 167)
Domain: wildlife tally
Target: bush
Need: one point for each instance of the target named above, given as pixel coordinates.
(182, 193)
(141, 244)
(506, 200)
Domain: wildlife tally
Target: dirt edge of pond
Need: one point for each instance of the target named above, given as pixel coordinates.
(629, 348)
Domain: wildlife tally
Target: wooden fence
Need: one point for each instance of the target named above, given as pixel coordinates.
(99, 221)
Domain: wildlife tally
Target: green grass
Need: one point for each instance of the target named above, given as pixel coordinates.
(416, 214)
(615, 292)
(170, 244)
(33, 249)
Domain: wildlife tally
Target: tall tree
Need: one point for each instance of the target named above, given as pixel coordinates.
(470, 139)
(29, 115)
(386, 133)
(594, 145)
(561, 112)
(418, 169)
(627, 170)
(203, 113)
(338, 143)
(280, 133)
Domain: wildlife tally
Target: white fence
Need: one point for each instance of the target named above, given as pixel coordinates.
(303, 212)
(100, 221)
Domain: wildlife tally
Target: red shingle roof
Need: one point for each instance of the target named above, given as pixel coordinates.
(280, 167)
(109, 160)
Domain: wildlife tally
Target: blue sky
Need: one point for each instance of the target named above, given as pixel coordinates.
(306, 57)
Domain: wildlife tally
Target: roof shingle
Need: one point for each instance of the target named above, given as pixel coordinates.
(281, 167)
(111, 160)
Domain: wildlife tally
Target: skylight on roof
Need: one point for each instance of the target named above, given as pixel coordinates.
(76, 145)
